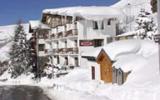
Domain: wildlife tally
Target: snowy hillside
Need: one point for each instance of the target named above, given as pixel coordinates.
(6, 36)
(131, 9)
(133, 6)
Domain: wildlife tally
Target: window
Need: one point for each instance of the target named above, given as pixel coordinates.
(43, 34)
(109, 22)
(109, 39)
(102, 25)
(65, 44)
(66, 60)
(58, 61)
(93, 73)
(76, 61)
(98, 42)
(75, 43)
(95, 25)
(41, 47)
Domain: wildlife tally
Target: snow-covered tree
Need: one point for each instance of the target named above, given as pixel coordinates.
(19, 54)
(145, 22)
(154, 6)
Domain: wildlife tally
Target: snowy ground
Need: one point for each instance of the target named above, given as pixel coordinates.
(142, 84)
(78, 86)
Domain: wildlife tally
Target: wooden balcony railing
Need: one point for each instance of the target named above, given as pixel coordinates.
(71, 33)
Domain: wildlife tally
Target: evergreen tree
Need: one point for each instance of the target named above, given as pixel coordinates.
(154, 6)
(19, 54)
(145, 22)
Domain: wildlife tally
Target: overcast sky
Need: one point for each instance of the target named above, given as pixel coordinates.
(13, 10)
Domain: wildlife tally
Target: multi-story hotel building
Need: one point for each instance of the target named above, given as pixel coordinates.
(63, 34)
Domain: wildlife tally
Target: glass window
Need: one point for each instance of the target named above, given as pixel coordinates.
(95, 25)
(109, 39)
(41, 47)
(109, 22)
(102, 25)
(98, 42)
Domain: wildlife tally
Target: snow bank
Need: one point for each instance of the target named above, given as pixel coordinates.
(138, 56)
(145, 73)
(89, 12)
(130, 62)
(122, 47)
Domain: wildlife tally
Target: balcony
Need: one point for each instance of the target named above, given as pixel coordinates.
(68, 51)
(60, 34)
(75, 50)
(72, 32)
(52, 36)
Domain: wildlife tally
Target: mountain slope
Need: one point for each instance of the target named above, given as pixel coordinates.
(6, 37)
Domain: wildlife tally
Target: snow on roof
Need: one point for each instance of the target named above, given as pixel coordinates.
(122, 47)
(131, 55)
(36, 24)
(140, 31)
(127, 54)
(115, 48)
(93, 52)
(130, 62)
(88, 12)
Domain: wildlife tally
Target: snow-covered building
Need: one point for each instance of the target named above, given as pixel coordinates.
(63, 34)
(113, 62)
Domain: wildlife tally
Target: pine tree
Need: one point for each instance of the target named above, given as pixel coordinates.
(154, 6)
(19, 54)
(145, 22)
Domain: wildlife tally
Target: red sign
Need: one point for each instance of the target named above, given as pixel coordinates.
(86, 43)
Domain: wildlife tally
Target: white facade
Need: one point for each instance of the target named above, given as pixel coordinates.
(96, 72)
(70, 39)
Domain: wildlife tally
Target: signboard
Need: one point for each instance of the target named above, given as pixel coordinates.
(86, 43)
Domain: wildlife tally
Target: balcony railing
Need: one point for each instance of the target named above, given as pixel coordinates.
(71, 33)
(60, 34)
(65, 51)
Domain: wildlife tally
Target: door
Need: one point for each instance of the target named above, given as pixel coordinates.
(106, 71)
(76, 61)
(120, 77)
(93, 73)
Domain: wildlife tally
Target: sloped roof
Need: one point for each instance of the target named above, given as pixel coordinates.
(87, 12)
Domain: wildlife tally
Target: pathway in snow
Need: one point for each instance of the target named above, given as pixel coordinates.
(22, 93)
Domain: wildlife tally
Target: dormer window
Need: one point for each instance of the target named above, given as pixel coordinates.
(95, 25)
